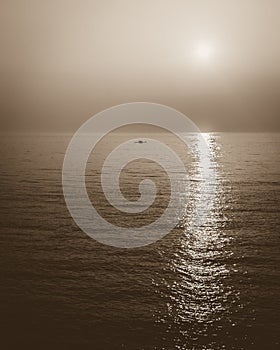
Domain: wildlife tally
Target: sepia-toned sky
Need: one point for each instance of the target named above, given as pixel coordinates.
(217, 61)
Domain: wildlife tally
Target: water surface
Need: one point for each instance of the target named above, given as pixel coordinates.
(216, 287)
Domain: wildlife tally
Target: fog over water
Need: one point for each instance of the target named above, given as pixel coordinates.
(208, 284)
(216, 61)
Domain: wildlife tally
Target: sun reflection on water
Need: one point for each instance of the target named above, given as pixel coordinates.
(198, 301)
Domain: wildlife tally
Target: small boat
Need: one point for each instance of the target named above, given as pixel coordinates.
(140, 141)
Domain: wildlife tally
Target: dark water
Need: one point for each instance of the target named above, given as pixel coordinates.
(215, 288)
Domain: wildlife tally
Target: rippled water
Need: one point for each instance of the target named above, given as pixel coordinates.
(214, 287)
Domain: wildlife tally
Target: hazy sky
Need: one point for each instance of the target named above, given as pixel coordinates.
(216, 61)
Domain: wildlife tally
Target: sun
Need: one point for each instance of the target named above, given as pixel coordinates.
(203, 52)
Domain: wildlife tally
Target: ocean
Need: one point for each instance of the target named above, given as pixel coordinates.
(213, 287)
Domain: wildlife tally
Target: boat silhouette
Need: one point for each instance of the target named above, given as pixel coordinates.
(140, 141)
